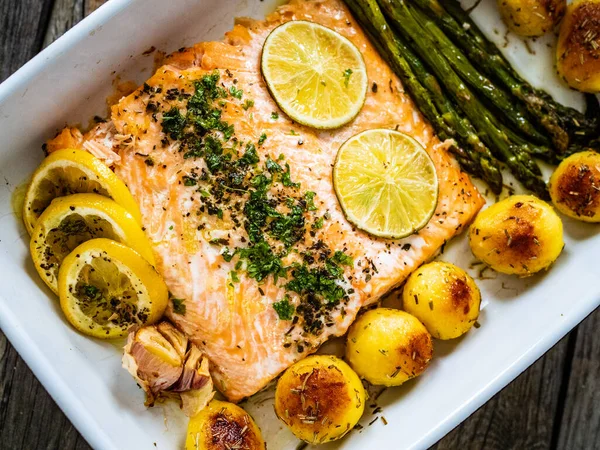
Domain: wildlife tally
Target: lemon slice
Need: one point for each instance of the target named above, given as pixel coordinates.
(106, 288)
(72, 220)
(316, 76)
(71, 171)
(386, 183)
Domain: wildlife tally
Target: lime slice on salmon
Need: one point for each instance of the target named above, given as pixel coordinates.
(72, 171)
(386, 183)
(74, 219)
(316, 76)
(106, 288)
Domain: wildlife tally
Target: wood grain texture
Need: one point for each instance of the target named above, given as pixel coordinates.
(546, 407)
(581, 416)
(22, 27)
(521, 416)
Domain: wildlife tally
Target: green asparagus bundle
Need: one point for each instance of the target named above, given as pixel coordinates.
(515, 156)
(472, 154)
(567, 126)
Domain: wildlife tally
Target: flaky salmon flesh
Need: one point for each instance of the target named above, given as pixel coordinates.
(257, 293)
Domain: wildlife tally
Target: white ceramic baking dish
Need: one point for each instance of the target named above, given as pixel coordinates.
(68, 83)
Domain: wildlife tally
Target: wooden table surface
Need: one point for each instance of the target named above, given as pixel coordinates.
(555, 404)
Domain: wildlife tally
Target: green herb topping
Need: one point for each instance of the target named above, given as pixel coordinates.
(256, 193)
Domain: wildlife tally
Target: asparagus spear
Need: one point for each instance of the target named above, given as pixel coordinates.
(465, 132)
(564, 124)
(521, 149)
(474, 157)
(401, 18)
(511, 111)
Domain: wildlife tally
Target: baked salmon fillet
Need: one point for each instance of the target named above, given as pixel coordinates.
(238, 201)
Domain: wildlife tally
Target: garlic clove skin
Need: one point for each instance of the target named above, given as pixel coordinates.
(163, 362)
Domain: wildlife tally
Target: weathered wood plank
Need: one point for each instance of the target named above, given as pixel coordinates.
(581, 418)
(521, 416)
(29, 418)
(22, 27)
(65, 14)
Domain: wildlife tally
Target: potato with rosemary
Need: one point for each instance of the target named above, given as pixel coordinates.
(530, 18)
(578, 48)
(575, 186)
(320, 399)
(520, 235)
(388, 347)
(223, 426)
(444, 298)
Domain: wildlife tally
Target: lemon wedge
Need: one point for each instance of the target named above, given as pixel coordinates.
(106, 288)
(74, 219)
(316, 76)
(386, 183)
(71, 171)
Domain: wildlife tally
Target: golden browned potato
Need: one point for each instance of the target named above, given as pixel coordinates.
(388, 347)
(320, 399)
(530, 18)
(578, 49)
(444, 298)
(575, 186)
(223, 426)
(520, 235)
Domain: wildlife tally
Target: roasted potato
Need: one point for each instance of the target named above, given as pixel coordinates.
(223, 426)
(444, 298)
(320, 399)
(388, 347)
(520, 235)
(575, 186)
(531, 18)
(578, 48)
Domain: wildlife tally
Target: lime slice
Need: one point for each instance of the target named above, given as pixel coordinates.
(72, 171)
(386, 183)
(316, 76)
(106, 288)
(74, 219)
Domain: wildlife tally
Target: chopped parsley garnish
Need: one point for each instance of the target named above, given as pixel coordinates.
(272, 166)
(309, 198)
(237, 93)
(250, 156)
(178, 305)
(288, 228)
(262, 262)
(318, 224)
(286, 178)
(318, 281)
(173, 123)
(346, 76)
(248, 104)
(189, 181)
(274, 115)
(262, 139)
(227, 254)
(341, 258)
(234, 276)
(284, 309)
